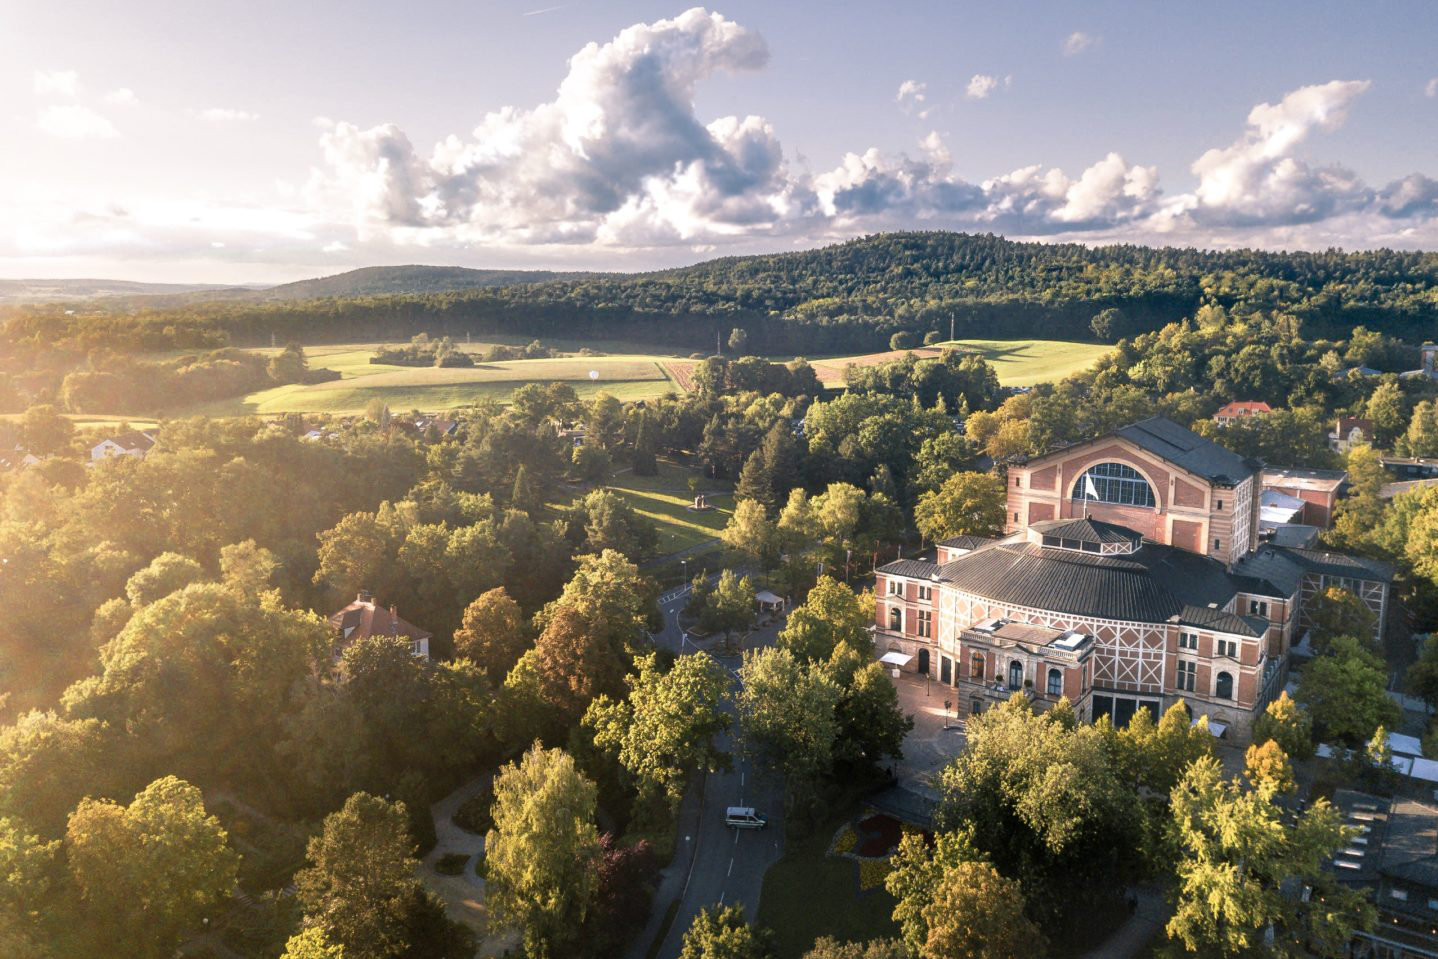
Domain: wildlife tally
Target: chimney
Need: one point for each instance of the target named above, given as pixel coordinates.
(365, 596)
(393, 622)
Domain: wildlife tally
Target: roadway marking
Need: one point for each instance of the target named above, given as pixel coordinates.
(731, 867)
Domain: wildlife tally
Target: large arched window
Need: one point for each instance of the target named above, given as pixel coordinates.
(1114, 483)
(1016, 674)
(1223, 686)
(896, 619)
(1056, 682)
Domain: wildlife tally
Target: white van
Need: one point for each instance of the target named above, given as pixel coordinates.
(743, 817)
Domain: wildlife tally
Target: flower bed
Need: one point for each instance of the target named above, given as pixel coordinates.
(879, 835)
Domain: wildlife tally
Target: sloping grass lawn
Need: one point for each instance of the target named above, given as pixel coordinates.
(808, 894)
(666, 499)
(1017, 362)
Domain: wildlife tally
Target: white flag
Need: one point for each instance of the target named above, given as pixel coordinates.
(1089, 490)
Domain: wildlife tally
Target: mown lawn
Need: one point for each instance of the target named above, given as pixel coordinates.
(808, 894)
(1018, 362)
(665, 499)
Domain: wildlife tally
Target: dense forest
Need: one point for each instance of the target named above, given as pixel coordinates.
(849, 296)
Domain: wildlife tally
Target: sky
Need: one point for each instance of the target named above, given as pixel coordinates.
(264, 141)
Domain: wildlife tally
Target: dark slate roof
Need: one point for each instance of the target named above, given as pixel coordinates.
(1204, 617)
(1087, 530)
(1341, 564)
(1272, 569)
(1154, 584)
(966, 542)
(1410, 852)
(1188, 450)
(915, 568)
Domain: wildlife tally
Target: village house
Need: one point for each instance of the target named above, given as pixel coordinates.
(365, 617)
(1234, 412)
(1350, 431)
(1132, 575)
(134, 443)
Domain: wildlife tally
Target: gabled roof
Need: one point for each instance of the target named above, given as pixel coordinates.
(134, 440)
(964, 541)
(913, 568)
(364, 617)
(1244, 408)
(1188, 450)
(1342, 564)
(1087, 530)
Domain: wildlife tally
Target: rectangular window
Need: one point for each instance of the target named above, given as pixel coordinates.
(1257, 608)
(1187, 640)
(1016, 517)
(896, 587)
(926, 623)
(1186, 677)
(1228, 647)
(1219, 505)
(1217, 545)
(1016, 481)
(926, 592)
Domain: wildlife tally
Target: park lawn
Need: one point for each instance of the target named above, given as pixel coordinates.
(443, 388)
(665, 499)
(809, 894)
(1017, 362)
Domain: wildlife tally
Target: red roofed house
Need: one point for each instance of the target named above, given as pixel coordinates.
(1234, 412)
(364, 617)
(1350, 431)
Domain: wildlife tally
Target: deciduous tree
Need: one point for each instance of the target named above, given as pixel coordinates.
(723, 934)
(493, 634)
(966, 504)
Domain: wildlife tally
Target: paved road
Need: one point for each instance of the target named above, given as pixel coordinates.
(716, 865)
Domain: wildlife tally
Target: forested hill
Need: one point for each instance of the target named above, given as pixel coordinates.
(374, 280)
(848, 296)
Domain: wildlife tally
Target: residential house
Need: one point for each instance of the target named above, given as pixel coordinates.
(365, 617)
(1350, 431)
(135, 443)
(1234, 412)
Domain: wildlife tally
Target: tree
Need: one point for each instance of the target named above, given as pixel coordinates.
(608, 590)
(1345, 691)
(166, 573)
(1158, 753)
(542, 856)
(1109, 325)
(1242, 868)
(149, 871)
(622, 900)
(871, 725)
(787, 716)
(1267, 768)
(667, 727)
(360, 890)
(723, 934)
(940, 457)
(46, 431)
(976, 913)
(1421, 439)
(577, 661)
(1047, 804)
(312, 943)
(829, 948)
(643, 461)
(731, 605)
(831, 614)
(525, 495)
(1288, 725)
(493, 634)
(903, 340)
(289, 365)
(1385, 409)
(750, 531)
(1338, 612)
(28, 865)
(966, 504)
(248, 568)
(738, 339)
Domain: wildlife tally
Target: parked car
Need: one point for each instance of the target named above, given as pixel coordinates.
(743, 817)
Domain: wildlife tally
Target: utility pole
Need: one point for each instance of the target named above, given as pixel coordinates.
(951, 325)
(718, 349)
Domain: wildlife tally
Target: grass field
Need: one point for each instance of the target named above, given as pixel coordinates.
(630, 371)
(1018, 362)
(808, 894)
(665, 500)
(628, 377)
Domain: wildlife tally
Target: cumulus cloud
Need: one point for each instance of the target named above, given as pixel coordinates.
(224, 115)
(1259, 179)
(618, 154)
(123, 96)
(1078, 41)
(911, 97)
(1430, 89)
(619, 159)
(71, 121)
(57, 83)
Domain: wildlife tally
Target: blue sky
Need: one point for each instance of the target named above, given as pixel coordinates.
(266, 141)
